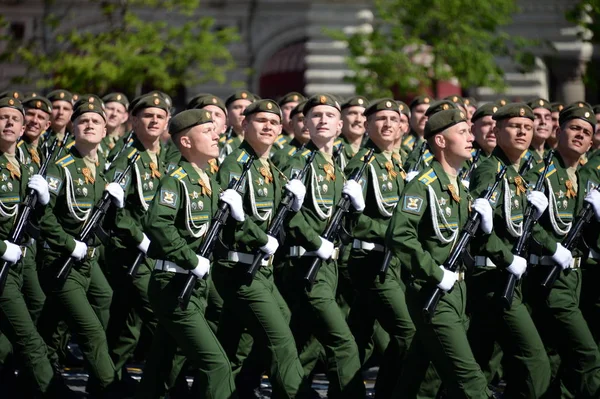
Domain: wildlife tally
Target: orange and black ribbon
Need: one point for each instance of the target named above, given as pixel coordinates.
(35, 156)
(329, 172)
(570, 190)
(87, 173)
(214, 168)
(14, 171)
(266, 173)
(154, 170)
(205, 189)
(390, 169)
(453, 193)
(520, 185)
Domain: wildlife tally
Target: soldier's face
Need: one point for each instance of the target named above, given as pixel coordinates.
(324, 122)
(301, 131)
(150, 122)
(36, 122)
(202, 140)
(61, 114)
(261, 129)
(235, 113)
(219, 118)
(404, 125)
(116, 114)
(354, 121)
(11, 125)
(514, 135)
(457, 142)
(383, 127)
(89, 128)
(597, 132)
(285, 111)
(470, 111)
(575, 137)
(554, 122)
(418, 118)
(542, 124)
(483, 130)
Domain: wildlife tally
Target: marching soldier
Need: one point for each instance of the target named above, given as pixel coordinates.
(236, 104)
(556, 108)
(482, 127)
(542, 127)
(62, 109)
(115, 105)
(404, 128)
(353, 129)
(418, 106)
(301, 136)
(287, 103)
(432, 209)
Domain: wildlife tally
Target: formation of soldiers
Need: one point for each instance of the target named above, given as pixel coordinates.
(453, 245)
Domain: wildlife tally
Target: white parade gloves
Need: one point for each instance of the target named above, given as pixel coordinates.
(80, 250)
(234, 200)
(448, 280)
(411, 175)
(353, 190)
(271, 246)
(143, 246)
(297, 188)
(539, 201)
(325, 250)
(117, 195)
(518, 266)
(13, 252)
(40, 185)
(593, 197)
(484, 209)
(202, 268)
(562, 256)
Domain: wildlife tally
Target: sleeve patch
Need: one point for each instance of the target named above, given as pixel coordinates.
(168, 198)
(412, 204)
(125, 182)
(54, 184)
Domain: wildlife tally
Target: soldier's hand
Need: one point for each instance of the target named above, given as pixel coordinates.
(40, 185)
(143, 246)
(80, 250)
(116, 194)
(411, 175)
(518, 266)
(234, 200)
(539, 201)
(202, 268)
(484, 209)
(13, 252)
(562, 256)
(271, 246)
(353, 190)
(297, 188)
(326, 249)
(448, 279)
(593, 198)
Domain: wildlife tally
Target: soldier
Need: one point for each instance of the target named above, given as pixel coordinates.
(404, 127)
(353, 129)
(596, 140)
(315, 312)
(483, 125)
(433, 207)
(115, 105)
(556, 108)
(236, 104)
(62, 109)
(287, 103)
(418, 106)
(256, 305)
(76, 183)
(376, 299)
(301, 137)
(529, 373)
(556, 309)
(176, 223)
(542, 127)
(471, 105)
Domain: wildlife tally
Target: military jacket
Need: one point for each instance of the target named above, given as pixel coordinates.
(73, 194)
(30, 156)
(261, 193)
(427, 222)
(281, 156)
(230, 146)
(140, 186)
(413, 160)
(178, 219)
(382, 184)
(118, 145)
(282, 141)
(345, 152)
(324, 183)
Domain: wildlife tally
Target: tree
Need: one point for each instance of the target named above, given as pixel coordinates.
(133, 51)
(416, 43)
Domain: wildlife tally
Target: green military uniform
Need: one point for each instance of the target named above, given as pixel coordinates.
(177, 222)
(280, 157)
(286, 137)
(412, 139)
(110, 140)
(422, 232)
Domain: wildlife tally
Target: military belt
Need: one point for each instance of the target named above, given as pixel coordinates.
(484, 261)
(461, 276)
(168, 266)
(248, 259)
(367, 246)
(298, 252)
(91, 251)
(548, 261)
(594, 254)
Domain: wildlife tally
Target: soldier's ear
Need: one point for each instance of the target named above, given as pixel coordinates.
(439, 140)
(184, 141)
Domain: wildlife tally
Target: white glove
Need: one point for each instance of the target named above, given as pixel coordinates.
(116, 193)
(562, 256)
(539, 201)
(271, 246)
(411, 175)
(484, 209)
(202, 268)
(448, 280)
(518, 266)
(593, 197)
(466, 183)
(234, 200)
(325, 250)
(354, 191)
(143, 246)
(13, 252)
(40, 185)
(296, 187)
(80, 250)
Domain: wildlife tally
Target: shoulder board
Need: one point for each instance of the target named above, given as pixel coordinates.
(551, 170)
(362, 158)
(21, 143)
(71, 144)
(243, 157)
(408, 140)
(222, 139)
(281, 141)
(65, 161)
(131, 153)
(179, 173)
(305, 153)
(473, 152)
(428, 177)
(337, 143)
(499, 167)
(230, 140)
(427, 156)
(526, 155)
(292, 151)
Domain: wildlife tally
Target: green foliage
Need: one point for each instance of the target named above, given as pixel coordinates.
(416, 43)
(586, 14)
(132, 51)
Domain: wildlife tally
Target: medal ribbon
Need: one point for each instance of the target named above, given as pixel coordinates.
(570, 191)
(266, 173)
(154, 170)
(329, 171)
(35, 156)
(520, 185)
(14, 171)
(205, 189)
(214, 168)
(390, 169)
(87, 173)
(453, 193)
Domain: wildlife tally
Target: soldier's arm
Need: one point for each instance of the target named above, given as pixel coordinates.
(539, 232)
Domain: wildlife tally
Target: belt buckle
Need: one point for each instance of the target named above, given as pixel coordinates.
(91, 252)
(461, 276)
(336, 253)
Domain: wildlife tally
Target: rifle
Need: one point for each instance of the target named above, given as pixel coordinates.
(335, 223)
(526, 166)
(277, 223)
(466, 175)
(415, 167)
(218, 221)
(61, 145)
(18, 229)
(100, 209)
(110, 160)
(508, 292)
(452, 263)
